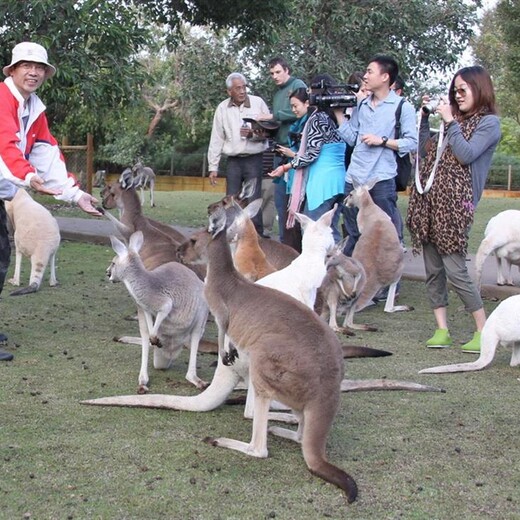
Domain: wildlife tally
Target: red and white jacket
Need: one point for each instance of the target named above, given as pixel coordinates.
(25, 153)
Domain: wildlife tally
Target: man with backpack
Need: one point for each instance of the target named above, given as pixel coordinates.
(371, 131)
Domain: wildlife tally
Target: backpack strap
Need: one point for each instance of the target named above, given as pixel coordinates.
(398, 119)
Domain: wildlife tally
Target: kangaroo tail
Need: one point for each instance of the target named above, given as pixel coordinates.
(315, 430)
(223, 383)
(488, 345)
(355, 351)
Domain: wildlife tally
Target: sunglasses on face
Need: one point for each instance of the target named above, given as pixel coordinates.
(460, 91)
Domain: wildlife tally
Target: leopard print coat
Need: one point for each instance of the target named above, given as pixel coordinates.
(443, 215)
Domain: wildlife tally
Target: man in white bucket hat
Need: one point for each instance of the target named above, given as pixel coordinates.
(29, 153)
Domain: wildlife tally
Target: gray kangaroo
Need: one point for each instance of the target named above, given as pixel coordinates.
(172, 310)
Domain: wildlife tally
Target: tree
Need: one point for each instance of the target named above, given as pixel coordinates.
(425, 36)
(94, 46)
(497, 47)
(179, 95)
(251, 21)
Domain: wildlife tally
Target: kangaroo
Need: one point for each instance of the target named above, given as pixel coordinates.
(125, 199)
(277, 254)
(169, 292)
(37, 236)
(501, 238)
(345, 279)
(379, 251)
(502, 327)
(295, 358)
(144, 177)
(248, 257)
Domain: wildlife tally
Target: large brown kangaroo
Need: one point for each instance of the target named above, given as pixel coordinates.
(295, 358)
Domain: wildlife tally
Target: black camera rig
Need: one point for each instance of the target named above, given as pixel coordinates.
(333, 96)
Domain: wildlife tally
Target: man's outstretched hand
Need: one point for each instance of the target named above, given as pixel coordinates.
(87, 202)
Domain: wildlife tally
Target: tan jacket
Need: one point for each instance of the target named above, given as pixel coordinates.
(225, 133)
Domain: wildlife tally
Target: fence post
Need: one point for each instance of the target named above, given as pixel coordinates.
(90, 161)
(204, 165)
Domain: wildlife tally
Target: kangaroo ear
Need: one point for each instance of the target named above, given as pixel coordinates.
(119, 248)
(136, 241)
(248, 188)
(217, 222)
(304, 220)
(369, 185)
(252, 208)
(326, 218)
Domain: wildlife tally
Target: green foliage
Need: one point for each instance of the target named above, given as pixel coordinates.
(190, 81)
(93, 45)
(510, 141)
(340, 37)
(250, 20)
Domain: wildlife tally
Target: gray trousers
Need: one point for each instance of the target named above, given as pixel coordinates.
(241, 169)
(441, 269)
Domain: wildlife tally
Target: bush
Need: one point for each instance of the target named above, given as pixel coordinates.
(498, 174)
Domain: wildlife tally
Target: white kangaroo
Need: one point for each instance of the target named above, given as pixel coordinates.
(37, 236)
(501, 238)
(172, 310)
(502, 327)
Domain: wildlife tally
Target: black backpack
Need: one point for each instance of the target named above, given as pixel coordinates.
(404, 164)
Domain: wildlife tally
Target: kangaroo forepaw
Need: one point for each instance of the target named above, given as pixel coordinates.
(155, 341)
(230, 357)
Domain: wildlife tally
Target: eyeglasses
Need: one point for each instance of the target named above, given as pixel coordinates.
(460, 91)
(28, 66)
(240, 88)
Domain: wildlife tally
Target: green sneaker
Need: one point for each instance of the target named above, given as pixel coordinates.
(441, 339)
(473, 347)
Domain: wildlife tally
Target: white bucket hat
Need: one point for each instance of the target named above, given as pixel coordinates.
(28, 51)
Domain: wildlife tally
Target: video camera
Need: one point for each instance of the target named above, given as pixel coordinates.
(333, 96)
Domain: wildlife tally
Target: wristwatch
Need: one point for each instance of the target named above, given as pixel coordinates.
(385, 140)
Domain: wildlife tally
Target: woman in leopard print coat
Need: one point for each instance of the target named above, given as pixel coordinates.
(447, 189)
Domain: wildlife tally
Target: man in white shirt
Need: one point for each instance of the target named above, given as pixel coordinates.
(233, 137)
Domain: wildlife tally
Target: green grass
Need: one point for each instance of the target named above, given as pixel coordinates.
(414, 456)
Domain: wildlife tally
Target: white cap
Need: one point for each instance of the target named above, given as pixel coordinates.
(28, 51)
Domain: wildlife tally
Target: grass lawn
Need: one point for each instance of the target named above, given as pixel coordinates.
(415, 456)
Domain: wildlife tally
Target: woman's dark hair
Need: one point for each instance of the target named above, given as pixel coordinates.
(356, 78)
(479, 81)
(300, 94)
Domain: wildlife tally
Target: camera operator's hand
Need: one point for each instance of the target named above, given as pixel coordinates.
(285, 151)
(340, 115)
(425, 99)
